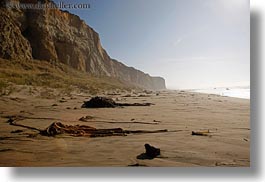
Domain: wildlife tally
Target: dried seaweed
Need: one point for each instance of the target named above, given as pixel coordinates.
(104, 102)
(58, 128)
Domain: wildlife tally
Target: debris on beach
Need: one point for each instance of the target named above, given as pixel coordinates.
(201, 133)
(144, 95)
(128, 95)
(17, 131)
(137, 165)
(86, 118)
(104, 102)
(58, 128)
(151, 152)
(245, 139)
(62, 100)
(99, 102)
(134, 104)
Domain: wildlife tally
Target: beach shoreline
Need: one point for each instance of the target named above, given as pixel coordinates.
(241, 93)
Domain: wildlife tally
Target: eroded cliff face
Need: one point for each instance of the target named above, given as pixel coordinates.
(13, 45)
(58, 36)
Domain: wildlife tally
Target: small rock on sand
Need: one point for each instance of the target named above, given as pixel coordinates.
(151, 151)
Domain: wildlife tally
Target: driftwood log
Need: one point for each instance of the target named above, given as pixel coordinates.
(201, 133)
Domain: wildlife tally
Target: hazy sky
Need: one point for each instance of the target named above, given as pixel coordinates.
(191, 43)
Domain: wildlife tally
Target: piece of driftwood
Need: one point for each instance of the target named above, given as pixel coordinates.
(104, 102)
(201, 133)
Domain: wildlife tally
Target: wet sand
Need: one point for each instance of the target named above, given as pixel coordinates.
(227, 119)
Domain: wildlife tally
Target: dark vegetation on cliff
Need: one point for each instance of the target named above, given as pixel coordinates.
(60, 76)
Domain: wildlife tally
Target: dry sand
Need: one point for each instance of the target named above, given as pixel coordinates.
(227, 119)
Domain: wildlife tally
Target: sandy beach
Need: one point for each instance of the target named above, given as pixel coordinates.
(226, 119)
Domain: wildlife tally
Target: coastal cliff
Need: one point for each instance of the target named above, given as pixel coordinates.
(58, 36)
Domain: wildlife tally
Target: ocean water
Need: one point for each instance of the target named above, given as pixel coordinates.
(237, 92)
